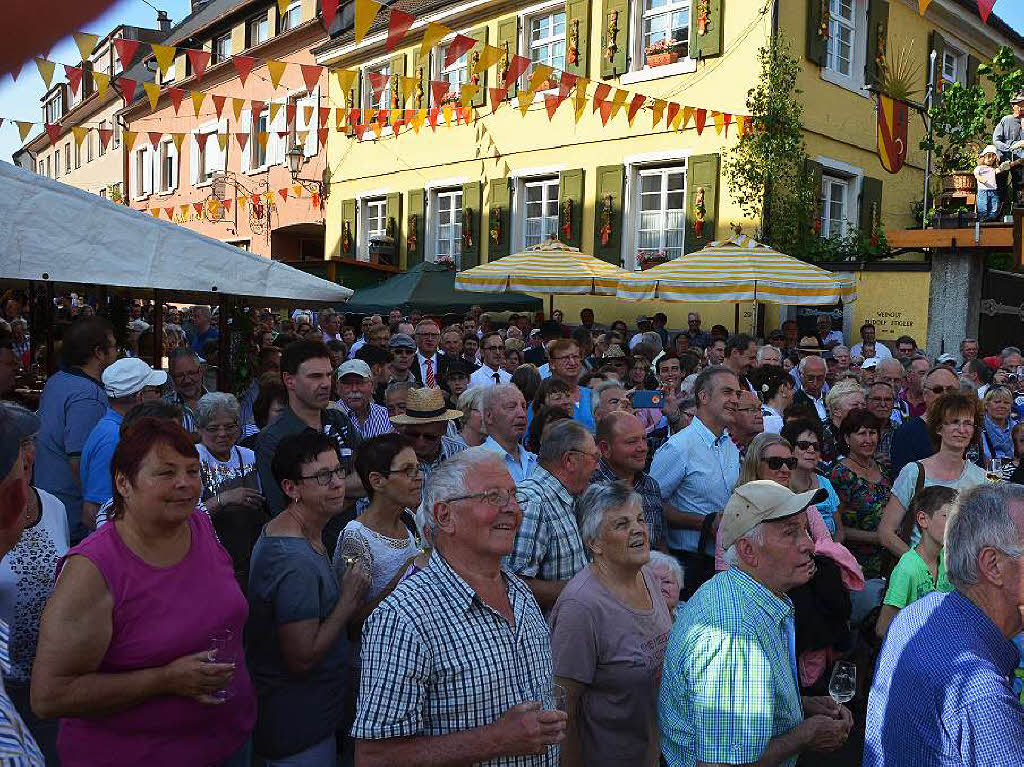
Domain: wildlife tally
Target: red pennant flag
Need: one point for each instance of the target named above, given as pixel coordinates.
(177, 94)
(283, 134)
(984, 9)
(378, 82)
(255, 199)
(498, 95)
(128, 89)
(255, 110)
(198, 208)
(74, 75)
(606, 111)
(439, 89)
(565, 83)
(53, 131)
(325, 115)
(460, 45)
(289, 113)
(154, 137)
(227, 205)
(321, 134)
(200, 61)
(516, 67)
(105, 135)
(398, 24)
(551, 102)
(634, 106)
(126, 51)
(359, 130)
(315, 200)
(170, 213)
(432, 117)
(311, 75)
(353, 116)
(283, 193)
(700, 117)
(728, 119)
(242, 137)
(328, 10)
(218, 104)
(600, 94)
(243, 66)
(201, 139)
(673, 110)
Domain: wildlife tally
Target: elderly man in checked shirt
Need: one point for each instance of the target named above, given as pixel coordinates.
(456, 661)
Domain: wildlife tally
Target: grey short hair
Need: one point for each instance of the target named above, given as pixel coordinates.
(397, 386)
(652, 338)
(661, 558)
(803, 363)
(837, 347)
(705, 380)
(449, 480)
(596, 501)
(761, 350)
(1008, 351)
(755, 534)
(982, 520)
(210, 404)
(492, 396)
(180, 354)
(560, 438)
(601, 388)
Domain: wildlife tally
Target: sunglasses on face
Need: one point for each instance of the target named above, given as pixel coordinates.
(802, 445)
(777, 462)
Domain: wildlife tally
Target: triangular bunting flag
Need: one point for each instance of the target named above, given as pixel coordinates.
(673, 110)
(126, 50)
(283, 135)
(222, 141)
(184, 209)
(922, 6)
(23, 128)
(447, 112)
(325, 114)
(311, 75)
(129, 138)
(283, 194)
(580, 100)
(438, 89)
(282, 6)
(600, 94)
(700, 117)
(634, 107)
(164, 56)
(498, 95)
(657, 111)
(289, 113)
(274, 108)
(45, 68)
(74, 75)
(155, 212)
(469, 90)
(170, 213)
(377, 129)
(321, 134)
(255, 110)
(489, 56)
(218, 104)
(984, 9)
(516, 67)
(398, 24)
(618, 100)
(200, 60)
(378, 82)
(155, 137)
(153, 92)
(432, 118)
(296, 190)
(541, 73)
(262, 137)
(719, 120)
(346, 78)
(102, 82)
(198, 207)
(417, 121)
(456, 48)
(276, 70)
(127, 86)
(525, 99)
(86, 43)
(307, 115)
(243, 201)
(201, 139)
(432, 35)
(551, 102)
(328, 9)
(105, 135)
(243, 66)
(565, 83)
(242, 137)
(236, 107)
(80, 132)
(365, 13)
(606, 111)
(177, 94)
(227, 203)
(408, 86)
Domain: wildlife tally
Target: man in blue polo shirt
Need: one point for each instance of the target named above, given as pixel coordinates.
(127, 382)
(566, 361)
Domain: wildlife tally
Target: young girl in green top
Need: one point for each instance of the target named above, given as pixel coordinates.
(921, 570)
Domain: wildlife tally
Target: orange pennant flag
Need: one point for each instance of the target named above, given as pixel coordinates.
(154, 212)
(617, 101)
(297, 190)
(377, 128)
(922, 6)
(197, 101)
(551, 102)
(311, 75)
(432, 35)
(170, 213)
(365, 13)
(102, 82)
(498, 96)
(262, 137)
(164, 56)
(24, 128)
(657, 110)
(45, 68)
(580, 99)
(184, 209)
(273, 108)
(153, 91)
(525, 99)
(700, 118)
(80, 133)
(129, 138)
(673, 114)
(86, 43)
(276, 69)
(541, 72)
(236, 107)
(634, 107)
(418, 120)
(177, 95)
(283, 194)
(687, 116)
(447, 112)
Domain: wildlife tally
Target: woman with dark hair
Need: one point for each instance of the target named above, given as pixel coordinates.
(527, 379)
(806, 437)
(545, 418)
(297, 646)
(553, 393)
(381, 539)
(775, 387)
(140, 648)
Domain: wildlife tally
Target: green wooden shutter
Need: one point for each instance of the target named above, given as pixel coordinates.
(701, 200)
(421, 99)
(480, 35)
(570, 207)
(937, 43)
(608, 213)
(878, 38)
(870, 205)
(415, 228)
(706, 33)
(347, 240)
(577, 37)
(614, 23)
(972, 70)
(498, 219)
(396, 66)
(817, 30)
(393, 221)
(471, 199)
(508, 41)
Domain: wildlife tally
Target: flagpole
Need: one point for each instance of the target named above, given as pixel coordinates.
(928, 163)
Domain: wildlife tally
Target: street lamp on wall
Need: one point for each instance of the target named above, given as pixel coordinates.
(295, 157)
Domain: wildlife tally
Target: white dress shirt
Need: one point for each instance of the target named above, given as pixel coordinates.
(484, 376)
(422, 362)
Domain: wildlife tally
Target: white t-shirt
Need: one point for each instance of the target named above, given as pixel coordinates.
(241, 463)
(383, 556)
(881, 351)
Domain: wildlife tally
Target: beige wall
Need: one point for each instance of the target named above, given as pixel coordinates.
(103, 171)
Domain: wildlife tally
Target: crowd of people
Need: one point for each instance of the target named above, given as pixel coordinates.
(458, 539)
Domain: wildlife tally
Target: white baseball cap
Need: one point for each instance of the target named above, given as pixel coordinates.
(870, 363)
(129, 376)
(355, 368)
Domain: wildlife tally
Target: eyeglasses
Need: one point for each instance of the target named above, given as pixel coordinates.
(963, 424)
(803, 445)
(570, 357)
(324, 476)
(498, 497)
(225, 428)
(777, 462)
(940, 389)
(594, 456)
(410, 471)
(493, 348)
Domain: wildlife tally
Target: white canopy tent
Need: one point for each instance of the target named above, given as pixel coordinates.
(52, 232)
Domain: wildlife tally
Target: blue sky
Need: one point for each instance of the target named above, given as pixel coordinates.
(20, 100)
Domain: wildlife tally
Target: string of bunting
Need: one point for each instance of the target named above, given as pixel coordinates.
(984, 8)
(216, 207)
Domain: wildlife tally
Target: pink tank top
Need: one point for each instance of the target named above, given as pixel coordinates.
(159, 615)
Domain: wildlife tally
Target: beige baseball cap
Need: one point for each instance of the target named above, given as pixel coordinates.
(761, 501)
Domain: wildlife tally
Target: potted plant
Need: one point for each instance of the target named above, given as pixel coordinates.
(649, 258)
(662, 52)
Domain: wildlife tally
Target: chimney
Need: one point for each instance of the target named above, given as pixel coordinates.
(162, 21)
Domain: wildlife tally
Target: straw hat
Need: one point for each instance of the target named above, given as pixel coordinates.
(425, 406)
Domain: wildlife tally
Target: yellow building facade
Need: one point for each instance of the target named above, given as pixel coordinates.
(477, 191)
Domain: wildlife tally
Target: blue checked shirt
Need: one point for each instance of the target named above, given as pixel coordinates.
(17, 746)
(696, 472)
(377, 421)
(437, 660)
(520, 469)
(647, 488)
(548, 544)
(942, 693)
(729, 681)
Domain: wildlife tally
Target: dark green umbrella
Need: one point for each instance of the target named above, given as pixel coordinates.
(430, 288)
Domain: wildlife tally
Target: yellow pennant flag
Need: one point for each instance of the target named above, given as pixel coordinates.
(469, 90)
(346, 77)
(447, 112)
(276, 69)
(45, 70)
(197, 101)
(273, 108)
(409, 86)
(271, 197)
(178, 138)
(489, 56)
(922, 6)
(301, 136)
(164, 56)
(184, 209)
(541, 72)
(580, 99)
(617, 101)
(243, 201)
(154, 212)
(262, 137)
(687, 116)
(418, 120)
(297, 190)
(222, 141)
(365, 12)
(377, 128)
(129, 138)
(23, 128)
(307, 115)
(719, 119)
(658, 108)
(153, 91)
(395, 117)
(432, 35)
(282, 6)
(102, 82)
(80, 133)
(236, 107)
(86, 43)
(525, 99)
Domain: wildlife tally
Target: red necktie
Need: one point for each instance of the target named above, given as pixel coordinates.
(431, 384)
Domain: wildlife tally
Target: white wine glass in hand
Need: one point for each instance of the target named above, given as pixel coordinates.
(843, 685)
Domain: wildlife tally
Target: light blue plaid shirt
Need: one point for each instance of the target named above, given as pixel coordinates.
(729, 684)
(17, 746)
(696, 472)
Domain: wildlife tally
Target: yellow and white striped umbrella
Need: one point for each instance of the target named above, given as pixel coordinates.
(739, 269)
(548, 268)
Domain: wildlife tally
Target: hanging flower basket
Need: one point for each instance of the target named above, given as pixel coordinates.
(646, 259)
